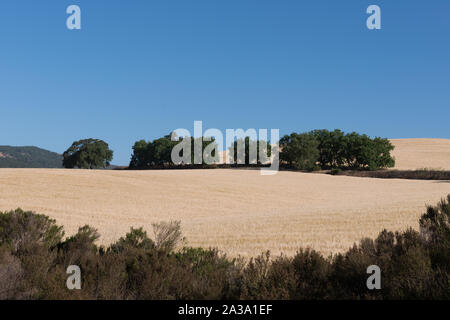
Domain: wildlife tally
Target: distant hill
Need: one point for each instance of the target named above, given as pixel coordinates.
(28, 157)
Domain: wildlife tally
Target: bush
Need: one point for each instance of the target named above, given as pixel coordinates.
(33, 260)
(21, 231)
(167, 235)
(11, 275)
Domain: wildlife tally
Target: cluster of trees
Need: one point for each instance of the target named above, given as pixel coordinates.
(147, 154)
(159, 152)
(34, 258)
(259, 147)
(334, 149)
(318, 149)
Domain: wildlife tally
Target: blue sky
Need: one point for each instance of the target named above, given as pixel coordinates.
(140, 69)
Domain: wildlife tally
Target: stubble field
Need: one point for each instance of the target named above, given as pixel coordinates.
(238, 211)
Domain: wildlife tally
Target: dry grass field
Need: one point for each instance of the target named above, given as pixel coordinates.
(413, 154)
(238, 211)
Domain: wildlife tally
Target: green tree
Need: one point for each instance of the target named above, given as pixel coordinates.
(159, 151)
(88, 154)
(250, 144)
(300, 151)
(363, 152)
(331, 147)
(382, 154)
(353, 150)
(142, 154)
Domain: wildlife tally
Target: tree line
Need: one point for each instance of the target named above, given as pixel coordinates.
(314, 150)
(323, 149)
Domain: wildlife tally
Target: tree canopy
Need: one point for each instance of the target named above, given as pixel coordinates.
(159, 151)
(249, 146)
(88, 154)
(300, 151)
(335, 149)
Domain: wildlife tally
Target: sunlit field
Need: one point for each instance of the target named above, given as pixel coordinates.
(414, 154)
(238, 211)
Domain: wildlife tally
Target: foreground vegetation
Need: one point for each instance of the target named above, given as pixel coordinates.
(34, 258)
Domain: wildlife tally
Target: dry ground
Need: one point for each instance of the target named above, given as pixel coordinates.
(413, 154)
(238, 211)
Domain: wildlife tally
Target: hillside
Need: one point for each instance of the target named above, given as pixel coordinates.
(28, 157)
(412, 154)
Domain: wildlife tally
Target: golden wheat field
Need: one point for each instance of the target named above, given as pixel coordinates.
(413, 154)
(238, 211)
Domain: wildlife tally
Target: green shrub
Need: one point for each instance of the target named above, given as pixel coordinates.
(22, 230)
(34, 258)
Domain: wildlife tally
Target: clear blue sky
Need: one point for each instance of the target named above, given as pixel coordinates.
(140, 69)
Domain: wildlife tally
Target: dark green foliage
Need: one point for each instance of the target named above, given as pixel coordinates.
(159, 152)
(33, 260)
(353, 150)
(29, 241)
(248, 145)
(332, 148)
(28, 157)
(19, 229)
(335, 149)
(142, 154)
(318, 149)
(136, 238)
(363, 152)
(435, 228)
(88, 154)
(300, 151)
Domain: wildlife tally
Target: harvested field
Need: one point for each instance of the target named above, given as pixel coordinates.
(414, 154)
(238, 211)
